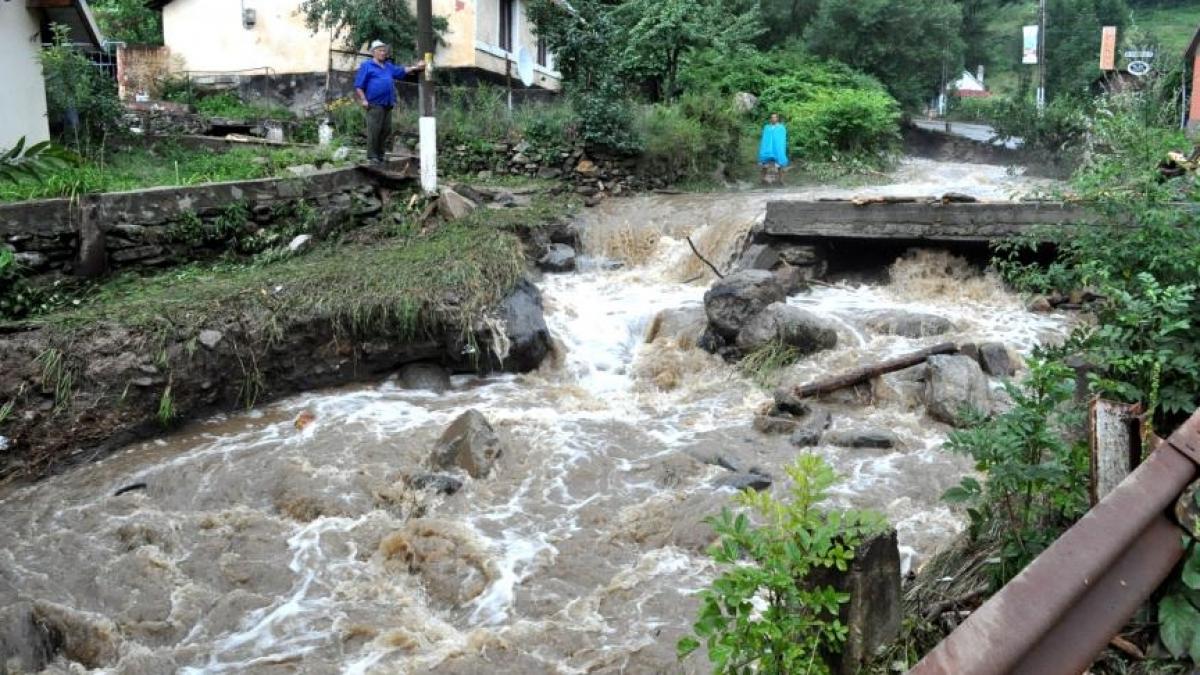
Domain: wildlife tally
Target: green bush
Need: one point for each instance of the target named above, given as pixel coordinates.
(760, 615)
(1058, 130)
(1036, 479)
(843, 124)
(785, 69)
(690, 137)
(227, 104)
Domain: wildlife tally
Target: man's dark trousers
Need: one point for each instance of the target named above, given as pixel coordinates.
(379, 129)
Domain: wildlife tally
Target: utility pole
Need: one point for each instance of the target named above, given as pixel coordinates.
(428, 123)
(1041, 89)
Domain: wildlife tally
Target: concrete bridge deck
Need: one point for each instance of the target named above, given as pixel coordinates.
(925, 220)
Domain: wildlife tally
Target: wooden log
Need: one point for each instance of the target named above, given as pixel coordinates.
(1114, 438)
(865, 373)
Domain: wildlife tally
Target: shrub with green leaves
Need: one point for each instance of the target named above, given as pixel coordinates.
(1037, 476)
(762, 614)
(1179, 610)
(844, 124)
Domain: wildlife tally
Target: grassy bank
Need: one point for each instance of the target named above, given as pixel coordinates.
(160, 165)
(136, 354)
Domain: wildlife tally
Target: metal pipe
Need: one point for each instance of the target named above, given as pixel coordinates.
(998, 636)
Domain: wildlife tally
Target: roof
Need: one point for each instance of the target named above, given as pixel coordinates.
(75, 15)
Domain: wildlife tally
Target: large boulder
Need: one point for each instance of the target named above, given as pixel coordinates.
(781, 323)
(470, 444)
(954, 385)
(734, 300)
(908, 324)
(524, 328)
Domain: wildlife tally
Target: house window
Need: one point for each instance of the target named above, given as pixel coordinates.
(543, 54)
(506, 25)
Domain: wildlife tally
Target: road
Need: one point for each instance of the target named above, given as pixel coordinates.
(976, 132)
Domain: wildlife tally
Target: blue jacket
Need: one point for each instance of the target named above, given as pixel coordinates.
(774, 145)
(379, 82)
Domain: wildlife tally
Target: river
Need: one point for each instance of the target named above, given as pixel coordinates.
(258, 547)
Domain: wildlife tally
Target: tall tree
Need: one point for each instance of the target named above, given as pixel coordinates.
(1073, 42)
(910, 45)
(786, 19)
(361, 21)
(657, 35)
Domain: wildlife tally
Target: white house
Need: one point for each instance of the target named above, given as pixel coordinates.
(270, 37)
(24, 26)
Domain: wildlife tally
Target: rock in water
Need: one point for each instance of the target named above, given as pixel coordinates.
(792, 326)
(734, 300)
(997, 359)
(954, 385)
(809, 430)
(427, 376)
(742, 481)
(684, 326)
(558, 258)
(879, 439)
(470, 444)
(442, 483)
(908, 324)
(525, 328)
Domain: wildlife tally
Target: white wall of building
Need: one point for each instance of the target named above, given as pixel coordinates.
(22, 89)
(208, 36)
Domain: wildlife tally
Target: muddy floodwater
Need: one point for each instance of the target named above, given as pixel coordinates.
(258, 547)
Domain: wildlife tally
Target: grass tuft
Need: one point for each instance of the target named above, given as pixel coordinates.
(765, 365)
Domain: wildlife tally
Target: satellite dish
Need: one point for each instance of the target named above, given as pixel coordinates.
(525, 67)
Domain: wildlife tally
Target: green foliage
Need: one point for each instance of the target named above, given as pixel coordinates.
(162, 164)
(586, 42)
(907, 45)
(658, 35)
(1059, 129)
(691, 137)
(129, 21)
(77, 93)
(361, 21)
(229, 105)
(850, 123)
(1179, 610)
(1072, 36)
(33, 162)
(770, 611)
(1037, 480)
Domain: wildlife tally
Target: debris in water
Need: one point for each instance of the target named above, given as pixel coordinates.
(304, 419)
(130, 488)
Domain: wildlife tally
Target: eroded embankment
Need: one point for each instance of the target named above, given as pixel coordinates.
(144, 353)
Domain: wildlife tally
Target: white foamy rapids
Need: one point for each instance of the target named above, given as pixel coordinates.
(257, 545)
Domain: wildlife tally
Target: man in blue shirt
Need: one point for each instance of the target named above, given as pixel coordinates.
(375, 85)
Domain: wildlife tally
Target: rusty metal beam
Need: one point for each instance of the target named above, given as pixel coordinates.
(1061, 610)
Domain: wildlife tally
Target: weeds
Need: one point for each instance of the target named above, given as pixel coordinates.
(166, 407)
(57, 375)
(765, 365)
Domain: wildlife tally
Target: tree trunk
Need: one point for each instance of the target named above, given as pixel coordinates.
(865, 373)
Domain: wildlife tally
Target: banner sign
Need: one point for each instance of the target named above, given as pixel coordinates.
(1108, 48)
(1029, 49)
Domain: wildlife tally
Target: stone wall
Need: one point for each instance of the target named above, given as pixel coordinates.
(166, 226)
(593, 172)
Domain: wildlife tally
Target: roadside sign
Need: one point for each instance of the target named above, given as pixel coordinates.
(1108, 48)
(1029, 50)
(1138, 68)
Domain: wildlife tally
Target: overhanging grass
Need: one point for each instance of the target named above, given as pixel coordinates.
(399, 286)
(168, 164)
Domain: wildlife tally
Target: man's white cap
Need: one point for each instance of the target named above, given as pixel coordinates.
(377, 44)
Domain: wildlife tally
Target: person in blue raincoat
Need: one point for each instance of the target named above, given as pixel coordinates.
(773, 147)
